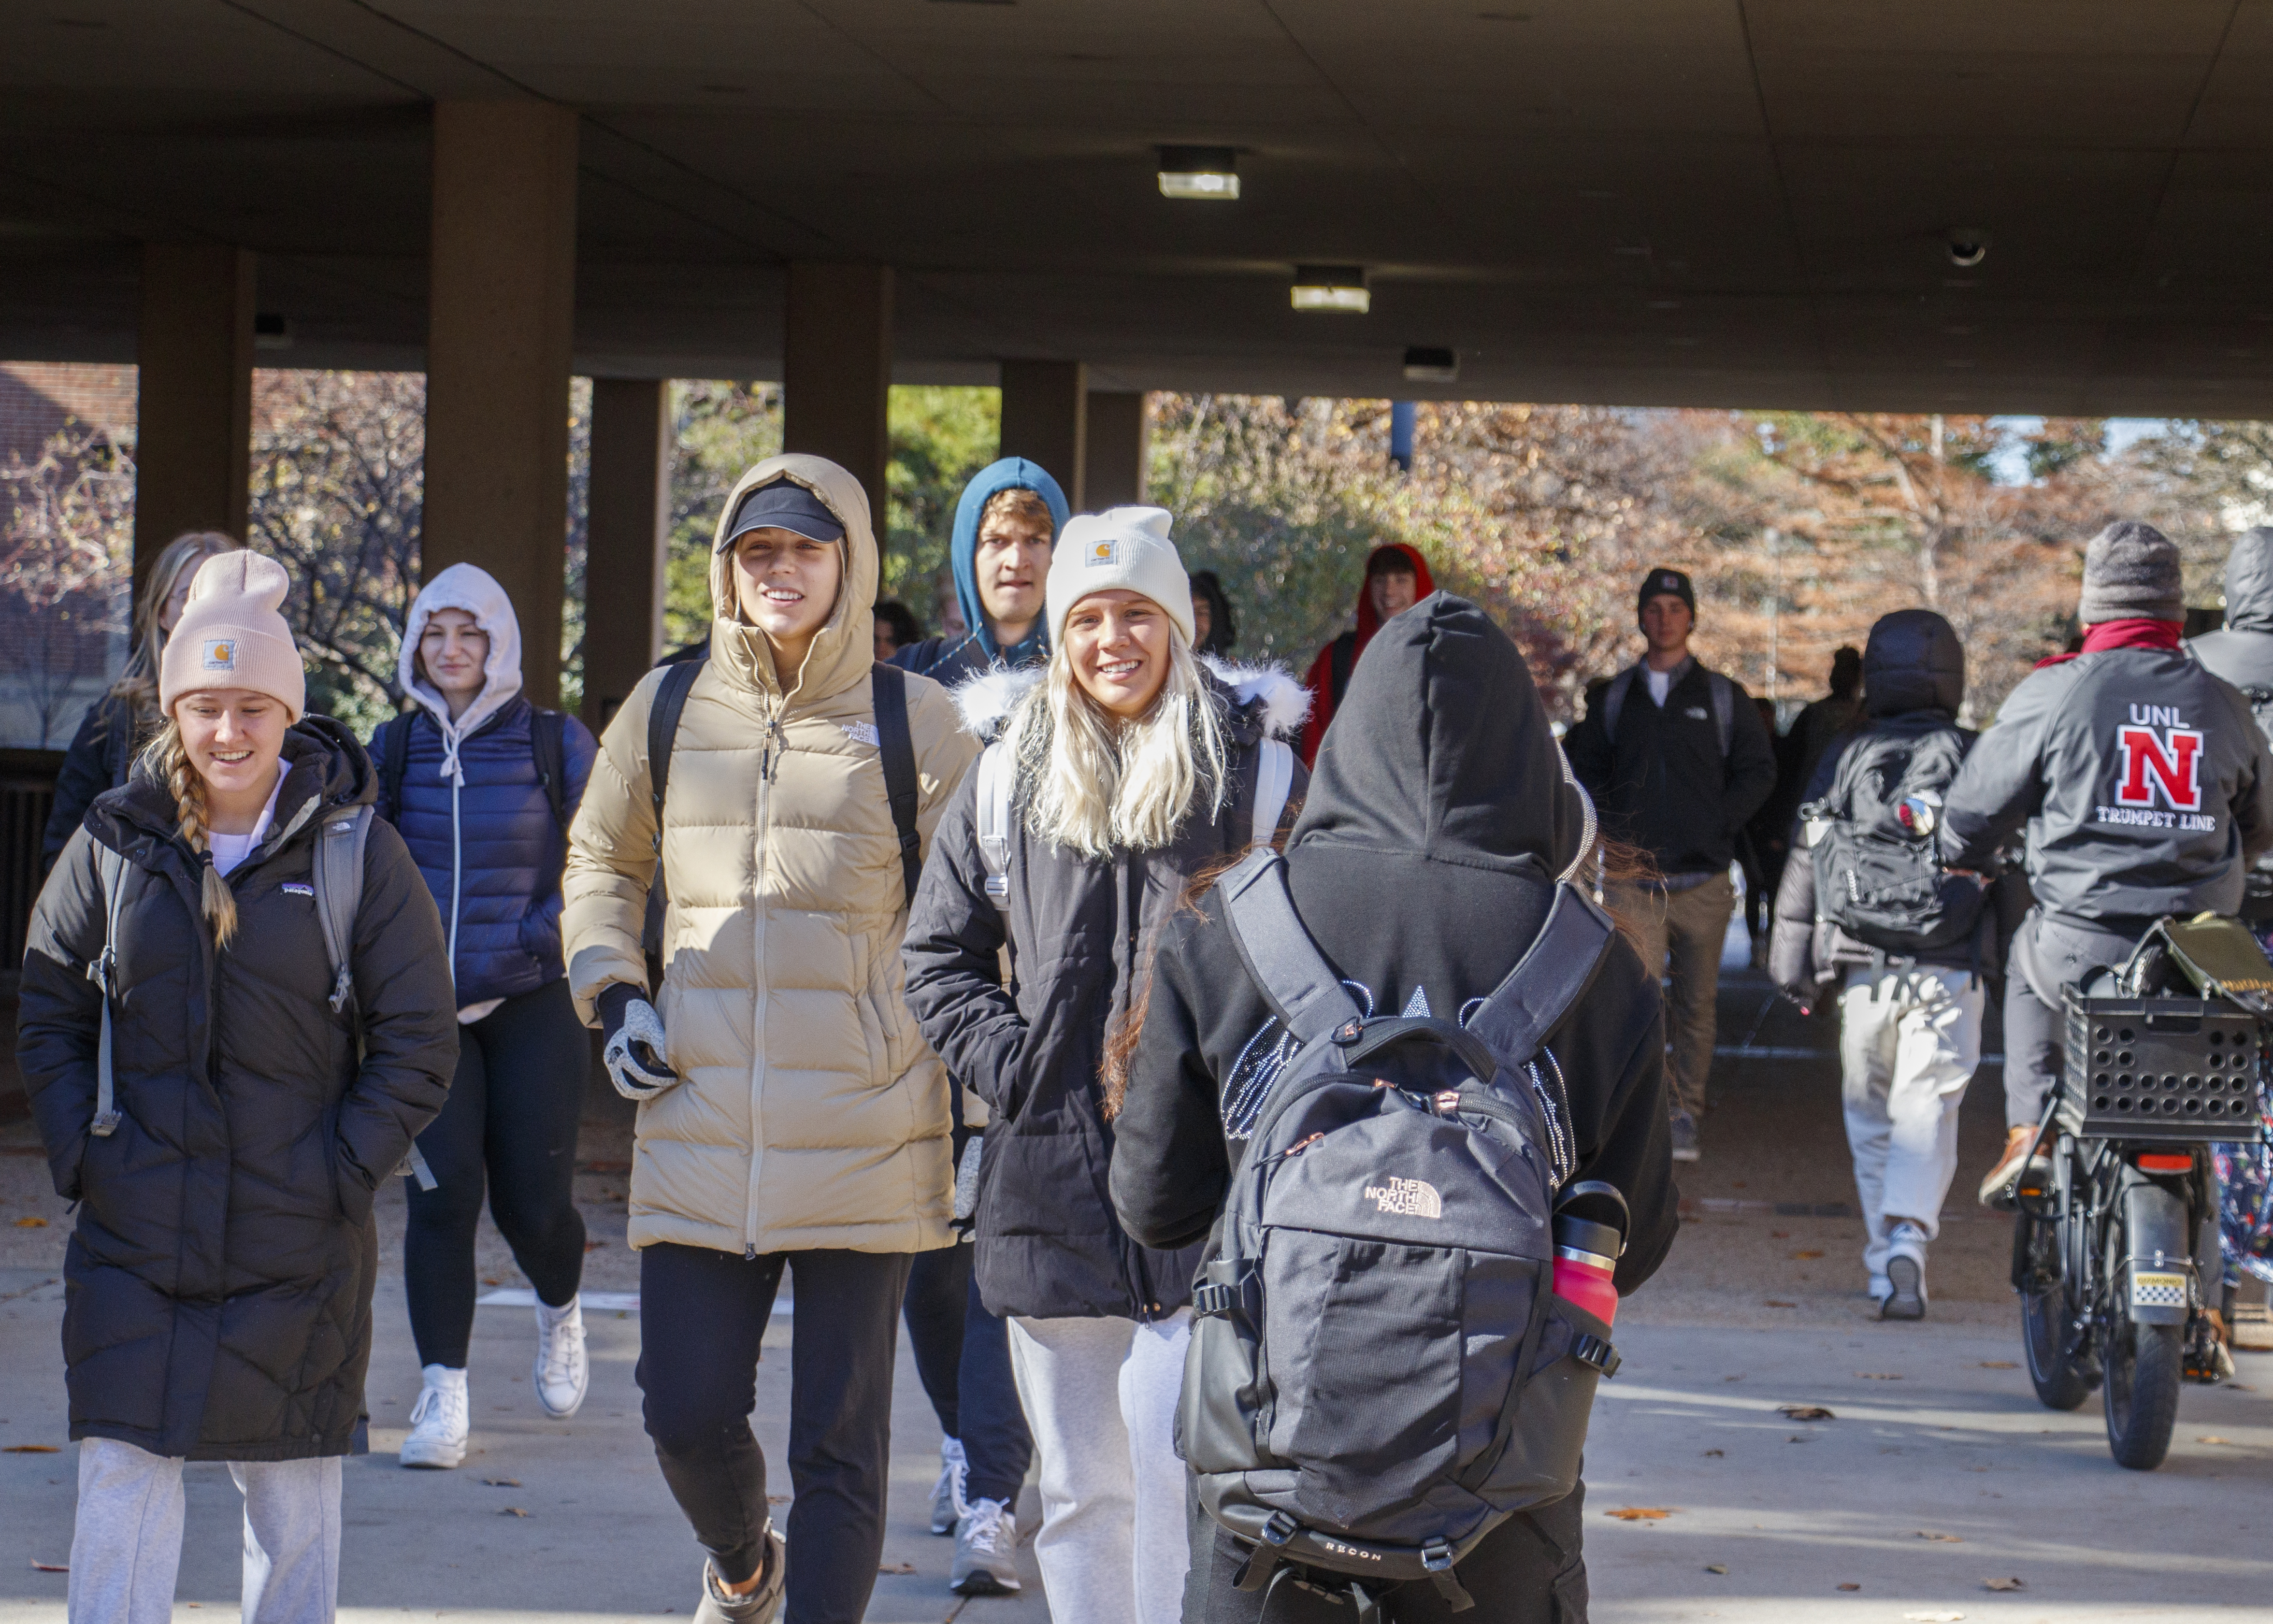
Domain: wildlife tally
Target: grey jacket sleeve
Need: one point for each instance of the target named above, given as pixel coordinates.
(2001, 784)
(1791, 937)
(953, 957)
(1751, 767)
(2253, 793)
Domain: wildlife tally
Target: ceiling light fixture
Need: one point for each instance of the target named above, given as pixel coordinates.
(1338, 287)
(1205, 174)
(1428, 364)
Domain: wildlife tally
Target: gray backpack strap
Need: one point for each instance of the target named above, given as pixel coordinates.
(1286, 965)
(1613, 701)
(998, 765)
(339, 893)
(104, 971)
(1557, 968)
(1724, 710)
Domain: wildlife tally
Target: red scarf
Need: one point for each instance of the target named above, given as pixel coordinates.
(2135, 633)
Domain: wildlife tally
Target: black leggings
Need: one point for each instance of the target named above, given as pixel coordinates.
(510, 1123)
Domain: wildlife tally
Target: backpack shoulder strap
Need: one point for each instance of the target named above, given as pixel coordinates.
(662, 728)
(548, 737)
(1613, 701)
(1339, 668)
(1286, 965)
(1274, 782)
(998, 765)
(104, 973)
(1724, 710)
(1554, 970)
(393, 743)
(339, 892)
(896, 750)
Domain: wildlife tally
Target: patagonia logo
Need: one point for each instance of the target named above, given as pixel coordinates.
(220, 653)
(1103, 554)
(1407, 1198)
(298, 887)
(861, 732)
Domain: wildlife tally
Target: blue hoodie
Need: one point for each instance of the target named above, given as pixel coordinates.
(949, 662)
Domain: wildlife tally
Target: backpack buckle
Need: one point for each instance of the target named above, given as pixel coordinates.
(1592, 1349)
(1213, 1297)
(1280, 1529)
(1437, 1557)
(1349, 1031)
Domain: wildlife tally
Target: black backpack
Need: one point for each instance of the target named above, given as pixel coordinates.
(1380, 1373)
(1879, 879)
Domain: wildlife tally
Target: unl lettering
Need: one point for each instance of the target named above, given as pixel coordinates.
(2161, 764)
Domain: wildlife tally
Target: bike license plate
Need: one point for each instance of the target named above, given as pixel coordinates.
(2151, 1290)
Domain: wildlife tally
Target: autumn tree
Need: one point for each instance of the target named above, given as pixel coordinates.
(65, 571)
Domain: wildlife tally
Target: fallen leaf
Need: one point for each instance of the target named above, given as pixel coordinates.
(1802, 1256)
(897, 1568)
(1779, 1234)
(2003, 1584)
(39, 1566)
(778, 1499)
(492, 1280)
(1772, 1302)
(2212, 1438)
(31, 1224)
(1933, 1617)
(1712, 1454)
(1945, 1539)
(1714, 1568)
(1879, 1375)
(502, 1483)
(1805, 1413)
(1640, 1513)
(1732, 1378)
(31, 1448)
(512, 1511)
(1996, 1365)
(594, 1246)
(1850, 1587)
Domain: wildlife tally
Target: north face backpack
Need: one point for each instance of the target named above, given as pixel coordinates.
(1380, 1373)
(1877, 875)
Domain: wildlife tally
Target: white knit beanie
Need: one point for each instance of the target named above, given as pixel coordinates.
(232, 634)
(1122, 548)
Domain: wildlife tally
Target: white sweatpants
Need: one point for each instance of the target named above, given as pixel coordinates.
(1909, 1042)
(127, 1546)
(1100, 1396)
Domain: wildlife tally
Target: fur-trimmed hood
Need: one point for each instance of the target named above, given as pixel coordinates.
(1277, 704)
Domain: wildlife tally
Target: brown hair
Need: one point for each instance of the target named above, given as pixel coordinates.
(138, 683)
(1018, 502)
(170, 764)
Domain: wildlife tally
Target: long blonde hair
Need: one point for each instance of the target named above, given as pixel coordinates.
(1099, 784)
(168, 762)
(138, 683)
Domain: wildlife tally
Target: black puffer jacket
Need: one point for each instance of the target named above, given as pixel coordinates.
(101, 755)
(1438, 823)
(220, 1278)
(1048, 1246)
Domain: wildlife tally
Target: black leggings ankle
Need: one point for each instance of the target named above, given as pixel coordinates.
(510, 1124)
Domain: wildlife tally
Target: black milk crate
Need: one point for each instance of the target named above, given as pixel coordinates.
(2175, 1068)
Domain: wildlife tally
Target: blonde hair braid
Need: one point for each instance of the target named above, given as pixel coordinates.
(169, 762)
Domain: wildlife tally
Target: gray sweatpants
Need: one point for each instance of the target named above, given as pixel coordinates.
(127, 1547)
(2045, 956)
(1909, 1042)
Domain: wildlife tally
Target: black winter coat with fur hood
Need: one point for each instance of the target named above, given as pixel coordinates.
(219, 1276)
(1079, 929)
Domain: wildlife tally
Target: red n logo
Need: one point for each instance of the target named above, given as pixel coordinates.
(2165, 762)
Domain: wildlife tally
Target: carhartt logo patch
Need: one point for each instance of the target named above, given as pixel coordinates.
(1669, 583)
(1407, 1198)
(1103, 553)
(861, 732)
(220, 653)
(294, 887)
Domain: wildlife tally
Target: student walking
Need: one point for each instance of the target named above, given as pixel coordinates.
(1677, 758)
(482, 784)
(222, 1100)
(790, 1117)
(1910, 982)
(122, 722)
(1429, 850)
(1125, 767)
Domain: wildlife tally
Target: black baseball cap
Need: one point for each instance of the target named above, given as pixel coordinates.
(783, 505)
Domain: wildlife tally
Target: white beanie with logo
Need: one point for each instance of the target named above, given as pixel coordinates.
(232, 634)
(1123, 548)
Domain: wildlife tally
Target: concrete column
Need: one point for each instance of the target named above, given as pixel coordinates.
(500, 324)
(837, 370)
(193, 436)
(627, 533)
(1046, 420)
(1120, 448)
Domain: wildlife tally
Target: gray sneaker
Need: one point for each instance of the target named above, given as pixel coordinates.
(946, 1493)
(1685, 1137)
(760, 1606)
(1905, 1276)
(986, 1551)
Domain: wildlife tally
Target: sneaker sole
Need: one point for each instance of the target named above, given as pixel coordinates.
(432, 1462)
(545, 1404)
(1908, 1299)
(944, 1533)
(1690, 1154)
(983, 1585)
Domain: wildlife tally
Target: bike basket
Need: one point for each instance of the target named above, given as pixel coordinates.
(2167, 1068)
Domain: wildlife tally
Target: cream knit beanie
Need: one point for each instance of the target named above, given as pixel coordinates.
(1122, 548)
(232, 634)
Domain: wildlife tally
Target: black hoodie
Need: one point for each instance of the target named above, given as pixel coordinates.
(1436, 828)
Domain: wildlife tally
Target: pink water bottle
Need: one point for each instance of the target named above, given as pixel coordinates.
(1586, 1252)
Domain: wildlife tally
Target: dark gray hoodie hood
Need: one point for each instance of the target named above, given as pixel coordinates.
(2249, 581)
(1914, 662)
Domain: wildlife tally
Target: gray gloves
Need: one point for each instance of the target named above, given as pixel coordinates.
(634, 1051)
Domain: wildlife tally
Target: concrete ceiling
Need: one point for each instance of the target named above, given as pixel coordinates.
(1641, 202)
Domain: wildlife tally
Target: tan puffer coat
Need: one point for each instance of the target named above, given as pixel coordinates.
(811, 1114)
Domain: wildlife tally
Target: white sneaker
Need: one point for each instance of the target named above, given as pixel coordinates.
(946, 1506)
(562, 1371)
(440, 1420)
(986, 1551)
(1905, 1275)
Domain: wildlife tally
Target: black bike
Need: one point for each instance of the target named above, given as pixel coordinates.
(2115, 1255)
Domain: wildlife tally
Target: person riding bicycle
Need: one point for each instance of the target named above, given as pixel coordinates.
(2146, 790)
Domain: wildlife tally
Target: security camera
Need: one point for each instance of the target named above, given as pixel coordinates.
(1968, 246)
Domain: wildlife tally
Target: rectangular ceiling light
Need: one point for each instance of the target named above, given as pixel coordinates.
(1340, 288)
(1207, 174)
(1427, 363)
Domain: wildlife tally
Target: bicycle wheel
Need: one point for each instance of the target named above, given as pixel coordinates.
(2145, 1364)
(2061, 1383)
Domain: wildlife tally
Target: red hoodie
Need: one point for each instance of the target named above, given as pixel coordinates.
(1321, 679)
